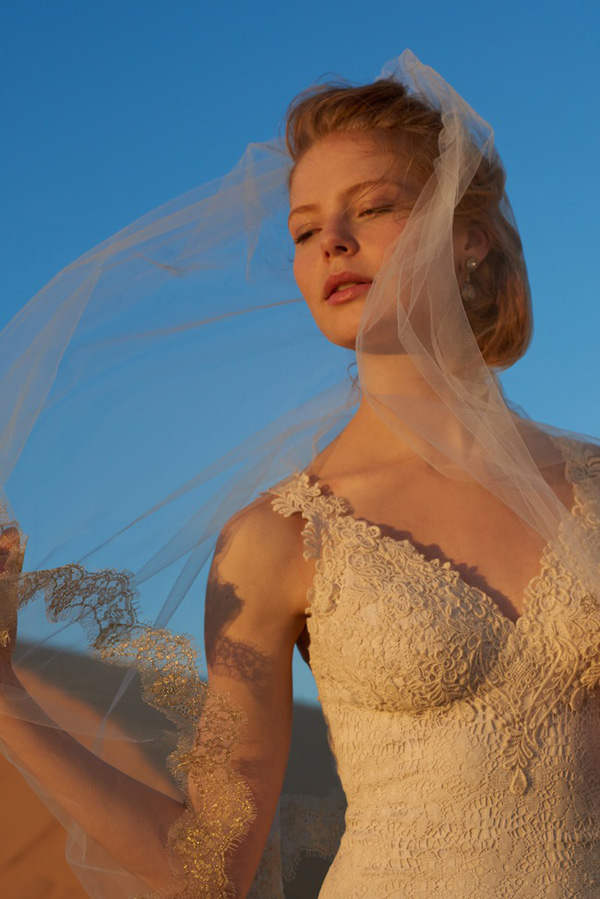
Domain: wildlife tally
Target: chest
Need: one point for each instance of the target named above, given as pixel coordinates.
(391, 630)
(458, 524)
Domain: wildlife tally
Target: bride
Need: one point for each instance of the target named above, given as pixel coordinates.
(432, 553)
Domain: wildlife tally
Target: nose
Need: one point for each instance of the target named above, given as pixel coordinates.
(338, 240)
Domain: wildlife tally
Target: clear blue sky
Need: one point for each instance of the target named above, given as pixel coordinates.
(111, 108)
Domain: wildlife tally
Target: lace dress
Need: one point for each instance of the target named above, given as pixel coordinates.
(468, 746)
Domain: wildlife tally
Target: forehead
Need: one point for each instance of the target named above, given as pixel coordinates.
(341, 160)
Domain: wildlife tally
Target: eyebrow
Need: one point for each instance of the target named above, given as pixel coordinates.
(349, 192)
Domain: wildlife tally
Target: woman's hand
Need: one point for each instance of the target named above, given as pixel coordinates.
(11, 563)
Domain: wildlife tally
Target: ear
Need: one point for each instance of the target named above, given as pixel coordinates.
(478, 242)
(470, 240)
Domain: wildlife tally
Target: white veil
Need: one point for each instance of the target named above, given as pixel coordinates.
(141, 407)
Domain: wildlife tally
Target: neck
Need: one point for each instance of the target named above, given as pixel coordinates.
(403, 422)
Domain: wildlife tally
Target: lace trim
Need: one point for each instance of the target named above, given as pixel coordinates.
(304, 826)
(312, 826)
(296, 494)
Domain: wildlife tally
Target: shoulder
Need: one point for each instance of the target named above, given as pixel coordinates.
(578, 458)
(564, 458)
(257, 535)
(259, 555)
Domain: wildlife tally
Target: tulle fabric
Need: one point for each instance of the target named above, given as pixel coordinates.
(160, 383)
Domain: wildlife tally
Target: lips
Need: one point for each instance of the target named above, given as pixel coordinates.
(343, 280)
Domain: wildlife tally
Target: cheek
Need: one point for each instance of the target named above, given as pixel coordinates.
(296, 269)
(301, 269)
(392, 232)
(308, 285)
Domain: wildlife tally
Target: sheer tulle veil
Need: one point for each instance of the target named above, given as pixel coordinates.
(161, 382)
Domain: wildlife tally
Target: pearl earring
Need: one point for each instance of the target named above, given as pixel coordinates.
(467, 291)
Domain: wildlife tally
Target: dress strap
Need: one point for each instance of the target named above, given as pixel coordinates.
(582, 471)
(582, 460)
(297, 494)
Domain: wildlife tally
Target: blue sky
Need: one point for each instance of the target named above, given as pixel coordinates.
(111, 108)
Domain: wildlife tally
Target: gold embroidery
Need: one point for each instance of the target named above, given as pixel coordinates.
(219, 803)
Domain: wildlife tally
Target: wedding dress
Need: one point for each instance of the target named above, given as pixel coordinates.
(467, 744)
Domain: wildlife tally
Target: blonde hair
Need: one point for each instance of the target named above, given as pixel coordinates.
(500, 314)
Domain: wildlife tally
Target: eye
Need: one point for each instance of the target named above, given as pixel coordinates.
(375, 210)
(304, 236)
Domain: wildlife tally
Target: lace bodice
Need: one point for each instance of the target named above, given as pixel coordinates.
(468, 745)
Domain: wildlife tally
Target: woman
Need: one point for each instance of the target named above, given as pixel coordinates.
(447, 548)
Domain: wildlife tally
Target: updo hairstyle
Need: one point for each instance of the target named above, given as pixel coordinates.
(500, 315)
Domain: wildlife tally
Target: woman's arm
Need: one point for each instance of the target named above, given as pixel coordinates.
(254, 615)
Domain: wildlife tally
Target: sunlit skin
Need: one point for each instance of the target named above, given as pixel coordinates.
(349, 201)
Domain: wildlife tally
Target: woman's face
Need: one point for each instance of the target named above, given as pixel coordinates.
(349, 201)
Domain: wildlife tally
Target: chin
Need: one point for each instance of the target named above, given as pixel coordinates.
(348, 343)
(345, 339)
(343, 331)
